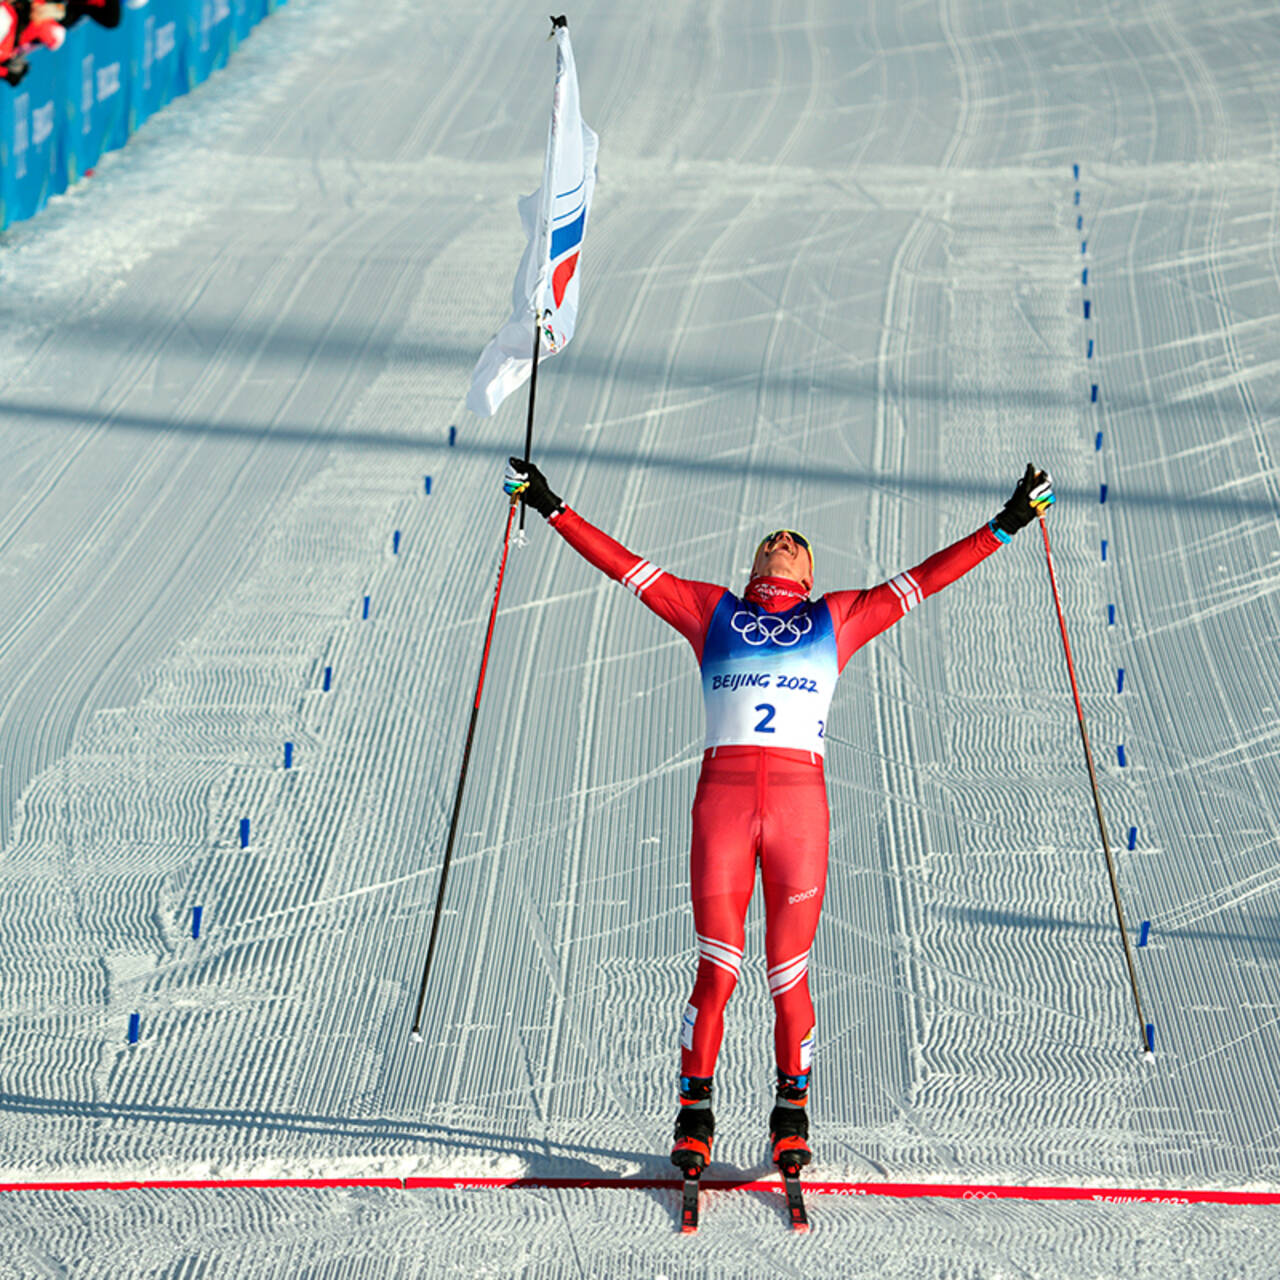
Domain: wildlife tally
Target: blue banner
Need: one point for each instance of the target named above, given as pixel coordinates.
(97, 108)
(90, 95)
(156, 74)
(32, 120)
(209, 35)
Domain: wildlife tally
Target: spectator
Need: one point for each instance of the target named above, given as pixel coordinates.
(41, 24)
(12, 65)
(106, 13)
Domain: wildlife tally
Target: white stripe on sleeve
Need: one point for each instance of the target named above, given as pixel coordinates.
(641, 577)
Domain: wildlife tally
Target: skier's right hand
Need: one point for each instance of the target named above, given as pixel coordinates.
(523, 480)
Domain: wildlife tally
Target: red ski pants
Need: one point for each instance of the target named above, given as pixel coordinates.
(768, 808)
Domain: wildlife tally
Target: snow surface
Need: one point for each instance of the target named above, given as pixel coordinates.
(833, 278)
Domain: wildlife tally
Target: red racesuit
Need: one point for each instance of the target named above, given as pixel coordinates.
(769, 662)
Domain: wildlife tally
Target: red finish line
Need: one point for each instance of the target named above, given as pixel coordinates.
(894, 1190)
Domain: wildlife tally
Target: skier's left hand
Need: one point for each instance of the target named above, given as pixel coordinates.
(1033, 497)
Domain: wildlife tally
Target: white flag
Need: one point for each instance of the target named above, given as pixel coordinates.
(555, 219)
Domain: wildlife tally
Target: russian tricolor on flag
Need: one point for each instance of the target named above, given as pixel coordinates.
(555, 219)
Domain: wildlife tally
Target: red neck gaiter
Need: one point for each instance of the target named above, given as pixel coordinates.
(774, 594)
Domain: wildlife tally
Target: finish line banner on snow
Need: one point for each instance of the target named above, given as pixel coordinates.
(555, 220)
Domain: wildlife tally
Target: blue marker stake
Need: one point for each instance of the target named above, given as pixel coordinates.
(395, 543)
(1075, 172)
(453, 436)
(1084, 246)
(288, 755)
(1097, 442)
(244, 833)
(1119, 679)
(1088, 351)
(1079, 222)
(1102, 493)
(1104, 551)
(426, 484)
(196, 913)
(1151, 1037)
(328, 678)
(1133, 838)
(1077, 199)
(365, 613)
(1093, 393)
(1084, 276)
(1086, 308)
(1120, 754)
(135, 1026)
(1146, 932)
(1111, 615)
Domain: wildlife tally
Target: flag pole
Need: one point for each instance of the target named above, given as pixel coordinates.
(1143, 1025)
(533, 393)
(548, 198)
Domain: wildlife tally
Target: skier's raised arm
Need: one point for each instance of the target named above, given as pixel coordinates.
(681, 602)
(859, 616)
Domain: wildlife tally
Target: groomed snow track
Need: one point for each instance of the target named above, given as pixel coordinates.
(846, 270)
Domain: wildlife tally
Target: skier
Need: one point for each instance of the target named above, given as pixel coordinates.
(770, 659)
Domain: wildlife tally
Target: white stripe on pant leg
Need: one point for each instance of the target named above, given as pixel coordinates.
(787, 979)
(802, 958)
(775, 992)
(724, 946)
(784, 976)
(723, 949)
(720, 953)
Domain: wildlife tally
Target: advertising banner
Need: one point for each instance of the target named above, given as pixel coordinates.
(31, 119)
(97, 107)
(86, 98)
(156, 31)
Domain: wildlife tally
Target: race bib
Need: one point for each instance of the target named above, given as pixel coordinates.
(768, 678)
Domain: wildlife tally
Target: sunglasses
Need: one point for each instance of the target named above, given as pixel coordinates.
(799, 539)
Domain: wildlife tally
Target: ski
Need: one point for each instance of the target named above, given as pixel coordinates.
(795, 1197)
(689, 1205)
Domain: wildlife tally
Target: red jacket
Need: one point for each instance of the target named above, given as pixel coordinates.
(771, 657)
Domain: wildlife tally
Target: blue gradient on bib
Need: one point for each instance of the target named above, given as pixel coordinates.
(744, 639)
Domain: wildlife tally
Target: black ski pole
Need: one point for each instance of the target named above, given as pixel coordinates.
(462, 778)
(1147, 1045)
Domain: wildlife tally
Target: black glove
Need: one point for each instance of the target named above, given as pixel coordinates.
(15, 69)
(1033, 496)
(525, 481)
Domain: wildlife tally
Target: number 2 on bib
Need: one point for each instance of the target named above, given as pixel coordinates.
(769, 712)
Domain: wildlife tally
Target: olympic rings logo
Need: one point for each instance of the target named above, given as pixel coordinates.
(769, 628)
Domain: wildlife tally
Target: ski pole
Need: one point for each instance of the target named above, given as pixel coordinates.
(1097, 801)
(462, 778)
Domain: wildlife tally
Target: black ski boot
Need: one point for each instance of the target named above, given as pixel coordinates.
(695, 1126)
(789, 1123)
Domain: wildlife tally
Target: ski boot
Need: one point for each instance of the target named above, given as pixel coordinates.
(695, 1126)
(789, 1124)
